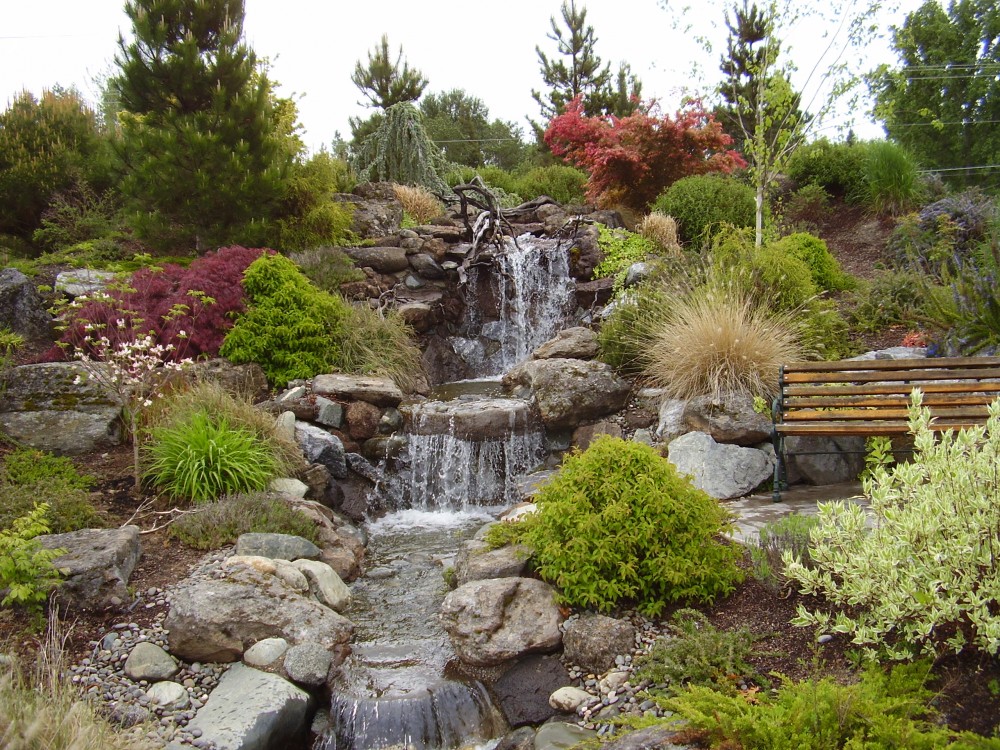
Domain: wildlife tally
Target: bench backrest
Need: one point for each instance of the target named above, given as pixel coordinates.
(870, 397)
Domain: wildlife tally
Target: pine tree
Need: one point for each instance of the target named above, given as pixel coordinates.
(202, 149)
(383, 82)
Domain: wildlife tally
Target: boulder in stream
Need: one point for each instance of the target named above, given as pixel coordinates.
(569, 392)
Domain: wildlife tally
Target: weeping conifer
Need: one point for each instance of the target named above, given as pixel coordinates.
(401, 151)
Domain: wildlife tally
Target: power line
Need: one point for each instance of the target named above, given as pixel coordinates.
(984, 167)
(954, 122)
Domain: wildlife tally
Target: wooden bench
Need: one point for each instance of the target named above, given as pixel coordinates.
(869, 398)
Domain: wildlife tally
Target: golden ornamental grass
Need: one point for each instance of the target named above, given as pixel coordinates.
(420, 203)
(661, 230)
(718, 341)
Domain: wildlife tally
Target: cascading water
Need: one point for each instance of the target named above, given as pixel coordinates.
(533, 293)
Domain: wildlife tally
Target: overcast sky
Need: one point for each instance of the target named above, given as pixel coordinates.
(488, 49)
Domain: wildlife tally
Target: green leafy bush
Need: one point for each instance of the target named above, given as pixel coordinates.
(924, 576)
(695, 652)
(702, 204)
(27, 570)
(217, 524)
(891, 182)
(625, 332)
(290, 327)
(837, 167)
(30, 477)
(812, 251)
(881, 712)
(617, 524)
(202, 457)
(790, 534)
(621, 249)
(565, 184)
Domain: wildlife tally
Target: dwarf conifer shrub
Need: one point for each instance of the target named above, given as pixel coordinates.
(617, 525)
(290, 328)
(812, 251)
(925, 575)
(702, 204)
(30, 477)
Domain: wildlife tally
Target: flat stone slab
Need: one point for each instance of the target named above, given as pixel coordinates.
(378, 391)
(473, 419)
(98, 562)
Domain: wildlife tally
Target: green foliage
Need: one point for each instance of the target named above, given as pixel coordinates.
(374, 342)
(617, 525)
(308, 217)
(205, 146)
(460, 124)
(790, 533)
(202, 457)
(812, 251)
(836, 167)
(401, 151)
(27, 570)
(878, 452)
(881, 712)
(823, 331)
(695, 652)
(327, 267)
(621, 249)
(624, 334)
(563, 183)
(701, 204)
(77, 215)
(290, 328)
(385, 82)
(217, 524)
(30, 476)
(924, 575)
(891, 298)
(891, 181)
(10, 342)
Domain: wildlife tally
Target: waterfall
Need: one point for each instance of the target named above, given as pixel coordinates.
(532, 294)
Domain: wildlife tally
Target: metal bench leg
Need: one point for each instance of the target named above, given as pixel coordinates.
(779, 448)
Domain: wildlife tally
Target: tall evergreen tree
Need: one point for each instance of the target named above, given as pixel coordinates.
(201, 143)
(578, 71)
(943, 101)
(460, 124)
(383, 82)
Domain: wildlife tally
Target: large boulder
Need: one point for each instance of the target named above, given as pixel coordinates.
(98, 564)
(570, 343)
(492, 621)
(825, 460)
(322, 447)
(477, 419)
(374, 390)
(218, 619)
(55, 407)
(381, 259)
(723, 471)
(22, 309)
(79, 282)
(593, 641)
(377, 212)
(671, 423)
(476, 561)
(522, 692)
(246, 379)
(728, 419)
(253, 710)
(569, 392)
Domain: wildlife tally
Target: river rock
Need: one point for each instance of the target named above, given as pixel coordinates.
(671, 419)
(320, 447)
(569, 392)
(98, 564)
(522, 738)
(570, 343)
(362, 420)
(476, 420)
(290, 488)
(825, 460)
(280, 569)
(374, 390)
(266, 652)
(723, 471)
(492, 621)
(664, 735)
(45, 407)
(558, 735)
(170, 695)
(253, 710)
(276, 546)
(308, 664)
(593, 641)
(342, 546)
(147, 661)
(475, 561)
(584, 435)
(568, 699)
(324, 584)
(22, 309)
(523, 691)
(728, 419)
(217, 620)
(381, 259)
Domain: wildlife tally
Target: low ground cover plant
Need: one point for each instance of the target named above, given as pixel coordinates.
(788, 534)
(27, 569)
(29, 477)
(617, 525)
(621, 249)
(214, 525)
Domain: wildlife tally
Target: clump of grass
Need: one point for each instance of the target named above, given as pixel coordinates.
(714, 339)
(376, 342)
(789, 533)
(892, 184)
(661, 230)
(419, 203)
(217, 524)
(327, 267)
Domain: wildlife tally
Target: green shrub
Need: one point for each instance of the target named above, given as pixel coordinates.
(823, 332)
(30, 477)
(374, 342)
(891, 298)
(327, 267)
(201, 458)
(891, 182)
(27, 571)
(812, 251)
(290, 327)
(836, 167)
(702, 204)
(217, 524)
(621, 249)
(31, 466)
(695, 652)
(800, 210)
(617, 525)
(625, 332)
(565, 184)
(924, 576)
(325, 223)
(881, 711)
(10, 342)
(790, 533)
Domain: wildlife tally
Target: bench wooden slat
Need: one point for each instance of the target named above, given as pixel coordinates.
(907, 376)
(892, 388)
(865, 428)
(935, 363)
(873, 415)
(832, 399)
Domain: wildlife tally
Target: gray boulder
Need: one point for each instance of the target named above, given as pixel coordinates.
(266, 652)
(569, 392)
(22, 309)
(523, 691)
(730, 419)
(147, 661)
(374, 390)
(217, 620)
(246, 379)
(308, 664)
(593, 641)
(475, 561)
(46, 408)
(570, 343)
(83, 281)
(557, 735)
(479, 419)
(492, 621)
(253, 710)
(169, 695)
(277, 546)
(324, 584)
(322, 447)
(658, 737)
(671, 420)
(98, 564)
(722, 471)
(825, 460)
(381, 259)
